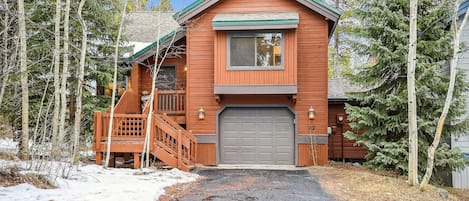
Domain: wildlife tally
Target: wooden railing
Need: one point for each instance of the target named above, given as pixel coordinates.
(129, 103)
(175, 140)
(171, 102)
(167, 136)
(124, 126)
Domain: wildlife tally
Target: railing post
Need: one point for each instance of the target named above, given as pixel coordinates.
(98, 129)
(155, 102)
(152, 131)
(179, 145)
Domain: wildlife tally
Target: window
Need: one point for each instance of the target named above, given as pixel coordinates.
(255, 51)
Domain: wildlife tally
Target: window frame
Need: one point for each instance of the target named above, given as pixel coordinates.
(253, 33)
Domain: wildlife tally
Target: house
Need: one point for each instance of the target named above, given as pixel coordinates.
(246, 83)
(341, 148)
(461, 178)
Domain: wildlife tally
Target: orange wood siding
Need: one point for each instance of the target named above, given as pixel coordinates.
(180, 63)
(351, 150)
(312, 54)
(206, 154)
(305, 154)
(287, 76)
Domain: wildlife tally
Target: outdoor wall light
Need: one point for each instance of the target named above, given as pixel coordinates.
(311, 113)
(185, 68)
(201, 113)
(341, 118)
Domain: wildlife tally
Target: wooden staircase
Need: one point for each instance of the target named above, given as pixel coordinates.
(173, 144)
(169, 142)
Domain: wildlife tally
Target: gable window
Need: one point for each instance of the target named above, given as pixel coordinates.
(255, 51)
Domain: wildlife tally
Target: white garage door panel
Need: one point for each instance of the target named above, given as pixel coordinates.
(256, 136)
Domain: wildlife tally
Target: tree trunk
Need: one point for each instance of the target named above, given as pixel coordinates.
(63, 98)
(55, 112)
(6, 67)
(336, 49)
(24, 149)
(155, 72)
(113, 98)
(80, 78)
(449, 96)
(412, 103)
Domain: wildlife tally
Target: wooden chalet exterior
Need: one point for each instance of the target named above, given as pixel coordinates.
(341, 148)
(251, 88)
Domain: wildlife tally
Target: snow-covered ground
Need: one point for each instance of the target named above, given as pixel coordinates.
(92, 182)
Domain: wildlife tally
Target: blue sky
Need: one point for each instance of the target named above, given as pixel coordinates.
(177, 4)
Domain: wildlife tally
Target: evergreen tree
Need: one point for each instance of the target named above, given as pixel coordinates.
(380, 119)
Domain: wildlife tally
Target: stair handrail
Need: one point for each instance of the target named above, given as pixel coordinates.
(181, 134)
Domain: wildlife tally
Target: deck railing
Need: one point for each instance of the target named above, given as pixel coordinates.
(171, 102)
(166, 134)
(175, 139)
(125, 127)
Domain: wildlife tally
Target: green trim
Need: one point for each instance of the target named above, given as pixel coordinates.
(187, 8)
(254, 22)
(198, 2)
(154, 44)
(325, 5)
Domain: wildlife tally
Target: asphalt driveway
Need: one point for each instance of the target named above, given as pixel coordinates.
(256, 185)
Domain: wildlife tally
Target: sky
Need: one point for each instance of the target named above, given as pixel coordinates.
(177, 4)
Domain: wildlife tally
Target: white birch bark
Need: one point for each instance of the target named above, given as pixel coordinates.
(449, 96)
(5, 69)
(66, 61)
(24, 149)
(113, 98)
(56, 110)
(412, 102)
(80, 78)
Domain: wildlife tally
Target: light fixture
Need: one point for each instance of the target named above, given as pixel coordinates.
(311, 113)
(185, 68)
(340, 119)
(201, 113)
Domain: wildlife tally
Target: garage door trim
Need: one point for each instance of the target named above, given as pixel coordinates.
(295, 130)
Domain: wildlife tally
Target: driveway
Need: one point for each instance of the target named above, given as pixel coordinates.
(256, 185)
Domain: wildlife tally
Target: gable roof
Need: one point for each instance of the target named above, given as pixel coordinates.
(324, 9)
(142, 26)
(141, 30)
(338, 89)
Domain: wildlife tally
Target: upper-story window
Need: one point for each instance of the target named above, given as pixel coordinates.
(255, 51)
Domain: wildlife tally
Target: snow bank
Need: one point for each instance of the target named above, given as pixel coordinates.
(93, 182)
(7, 145)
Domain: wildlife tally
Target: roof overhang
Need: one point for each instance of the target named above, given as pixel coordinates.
(164, 42)
(330, 13)
(253, 21)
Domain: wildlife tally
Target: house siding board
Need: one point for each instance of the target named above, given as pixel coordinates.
(305, 154)
(286, 76)
(311, 71)
(351, 150)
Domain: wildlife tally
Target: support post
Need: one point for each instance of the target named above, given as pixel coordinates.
(98, 130)
(99, 158)
(179, 145)
(155, 102)
(136, 160)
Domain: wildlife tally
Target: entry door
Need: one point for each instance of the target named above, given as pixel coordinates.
(257, 136)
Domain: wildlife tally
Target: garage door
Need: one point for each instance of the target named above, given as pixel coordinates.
(257, 136)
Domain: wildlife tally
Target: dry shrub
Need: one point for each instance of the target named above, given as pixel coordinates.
(6, 130)
(10, 176)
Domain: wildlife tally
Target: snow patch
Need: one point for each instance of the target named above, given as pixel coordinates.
(92, 182)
